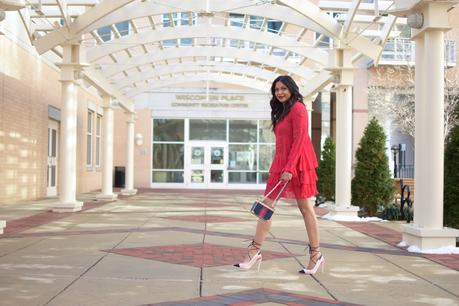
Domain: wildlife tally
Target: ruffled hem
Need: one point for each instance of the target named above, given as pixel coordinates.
(301, 186)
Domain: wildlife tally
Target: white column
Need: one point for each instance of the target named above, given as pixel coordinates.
(68, 134)
(129, 188)
(433, 146)
(342, 207)
(308, 104)
(427, 231)
(107, 158)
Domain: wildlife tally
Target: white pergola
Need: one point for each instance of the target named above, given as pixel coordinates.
(172, 42)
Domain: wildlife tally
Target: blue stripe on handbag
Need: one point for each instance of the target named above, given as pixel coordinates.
(263, 211)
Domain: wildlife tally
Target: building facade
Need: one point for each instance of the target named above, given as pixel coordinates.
(197, 135)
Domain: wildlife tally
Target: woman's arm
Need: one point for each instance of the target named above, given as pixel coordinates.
(299, 122)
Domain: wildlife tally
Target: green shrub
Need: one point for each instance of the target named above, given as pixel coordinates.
(451, 191)
(326, 171)
(391, 212)
(372, 185)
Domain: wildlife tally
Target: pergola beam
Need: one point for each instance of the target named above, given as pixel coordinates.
(202, 66)
(112, 11)
(350, 16)
(354, 40)
(97, 80)
(317, 55)
(242, 54)
(76, 29)
(62, 4)
(220, 78)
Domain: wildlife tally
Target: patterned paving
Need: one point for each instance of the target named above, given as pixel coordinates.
(394, 237)
(258, 296)
(207, 205)
(195, 255)
(206, 219)
(23, 224)
(379, 232)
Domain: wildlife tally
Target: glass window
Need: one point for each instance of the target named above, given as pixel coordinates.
(236, 20)
(266, 132)
(105, 33)
(170, 43)
(216, 176)
(243, 131)
(207, 129)
(89, 134)
(186, 41)
(197, 176)
(98, 134)
(217, 155)
(168, 156)
(274, 26)
(123, 27)
(242, 177)
(167, 176)
(256, 22)
(266, 156)
(168, 130)
(262, 177)
(242, 157)
(197, 155)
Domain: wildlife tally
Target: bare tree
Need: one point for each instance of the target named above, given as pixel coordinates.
(393, 98)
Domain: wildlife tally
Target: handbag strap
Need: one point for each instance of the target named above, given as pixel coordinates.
(280, 192)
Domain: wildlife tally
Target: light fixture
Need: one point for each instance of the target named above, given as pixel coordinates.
(139, 139)
(416, 21)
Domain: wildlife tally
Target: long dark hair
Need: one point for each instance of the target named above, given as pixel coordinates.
(278, 109)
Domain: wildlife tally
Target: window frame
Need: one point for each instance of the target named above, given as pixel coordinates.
(89, 138)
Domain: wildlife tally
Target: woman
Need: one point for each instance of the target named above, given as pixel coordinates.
(294, 163)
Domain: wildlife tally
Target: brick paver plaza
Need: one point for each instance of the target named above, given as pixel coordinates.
(178, 248)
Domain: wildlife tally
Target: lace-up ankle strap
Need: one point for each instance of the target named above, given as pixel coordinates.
(313, 249)
(314, 253)
(254, 245)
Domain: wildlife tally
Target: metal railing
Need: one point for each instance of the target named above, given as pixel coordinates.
(404, 171)
(401, 51)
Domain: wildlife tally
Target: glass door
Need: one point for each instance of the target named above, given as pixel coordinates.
(207, 164)
(53, 148)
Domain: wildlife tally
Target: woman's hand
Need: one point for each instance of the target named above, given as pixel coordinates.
(286, 176)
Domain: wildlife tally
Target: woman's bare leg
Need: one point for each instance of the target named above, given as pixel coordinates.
(262, 231)
(312, 228)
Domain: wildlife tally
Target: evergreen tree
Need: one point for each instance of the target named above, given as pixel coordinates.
(451, 191)
(372, 185)
(326, 171)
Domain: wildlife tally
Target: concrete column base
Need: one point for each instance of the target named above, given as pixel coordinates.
(67, 207)
(128, 191)
(429, 238)
(346, 211)
(107, 197)
(2, 226)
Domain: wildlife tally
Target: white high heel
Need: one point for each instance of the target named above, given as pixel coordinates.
(253, 260)
(320, 262)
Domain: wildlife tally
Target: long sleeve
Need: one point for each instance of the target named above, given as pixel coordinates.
(299, 124)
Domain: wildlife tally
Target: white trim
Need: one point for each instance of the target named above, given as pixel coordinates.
(89, 133)
(98, 140)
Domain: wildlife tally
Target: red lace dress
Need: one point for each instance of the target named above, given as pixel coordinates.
(294, 154)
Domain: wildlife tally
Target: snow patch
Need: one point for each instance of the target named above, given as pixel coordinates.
(402, 244)
(442, 250)
(351, 218)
